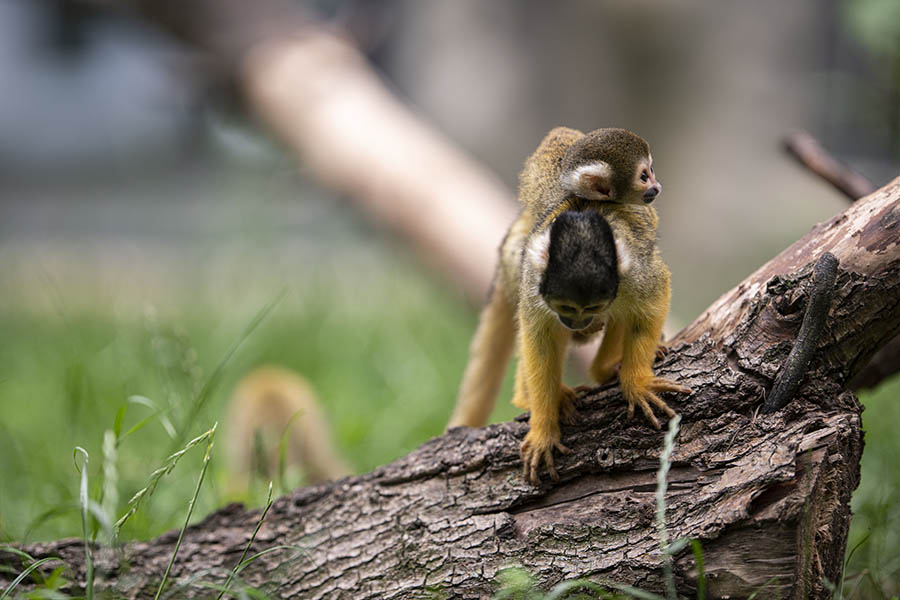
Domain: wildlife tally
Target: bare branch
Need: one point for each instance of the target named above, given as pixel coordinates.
(810, 153)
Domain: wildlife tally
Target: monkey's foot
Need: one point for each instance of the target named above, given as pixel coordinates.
(567, 412)
(539, 447)
(644, 396)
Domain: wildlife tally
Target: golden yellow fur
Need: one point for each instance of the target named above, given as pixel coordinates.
(268, 404)
(608, 171)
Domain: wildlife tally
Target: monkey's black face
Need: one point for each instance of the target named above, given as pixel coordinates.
(581, 278)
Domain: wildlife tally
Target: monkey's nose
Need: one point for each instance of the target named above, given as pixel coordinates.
(575, 324)
(651, 194)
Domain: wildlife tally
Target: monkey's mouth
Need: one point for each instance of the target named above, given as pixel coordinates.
(576, 324)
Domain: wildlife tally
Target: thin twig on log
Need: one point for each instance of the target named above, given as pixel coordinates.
(811, 330)
(812, 155)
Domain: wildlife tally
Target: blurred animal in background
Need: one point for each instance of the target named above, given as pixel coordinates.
(276, 427)
(580, 256)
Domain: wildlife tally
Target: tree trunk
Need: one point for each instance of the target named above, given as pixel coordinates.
(767, 495)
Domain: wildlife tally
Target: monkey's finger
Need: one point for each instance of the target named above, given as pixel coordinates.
(551, 467)
(661, 351)
(659, 384)
(527, 475)
(661, 404)
(630, 410)
(534, 464)
(648, 412)
(562, 449)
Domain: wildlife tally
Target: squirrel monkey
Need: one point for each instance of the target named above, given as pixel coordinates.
(580, 256)
(270, 404)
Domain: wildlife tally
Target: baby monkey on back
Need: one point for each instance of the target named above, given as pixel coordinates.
(580, 256)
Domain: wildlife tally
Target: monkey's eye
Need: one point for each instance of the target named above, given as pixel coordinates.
(644, 176)
(592, 308)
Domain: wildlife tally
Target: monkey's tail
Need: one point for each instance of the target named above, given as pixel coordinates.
(488, 356)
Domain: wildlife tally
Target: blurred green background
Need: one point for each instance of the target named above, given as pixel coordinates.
(144, 224)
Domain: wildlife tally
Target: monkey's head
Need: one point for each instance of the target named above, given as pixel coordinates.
(581, 277)
(610, 165)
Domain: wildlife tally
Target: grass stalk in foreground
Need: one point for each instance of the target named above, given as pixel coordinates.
(84, 501)
(240, 561)
(209, 435)
(665, 462)
(171, 461)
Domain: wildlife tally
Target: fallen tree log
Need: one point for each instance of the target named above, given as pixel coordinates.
(767, 495)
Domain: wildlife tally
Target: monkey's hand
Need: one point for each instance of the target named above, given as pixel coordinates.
(538, 446)
(643, 395)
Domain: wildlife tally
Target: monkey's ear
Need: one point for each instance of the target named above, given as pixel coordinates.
(623, 254)
(592, 181)
(537, 252)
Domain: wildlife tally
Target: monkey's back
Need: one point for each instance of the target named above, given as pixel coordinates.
(643, 276)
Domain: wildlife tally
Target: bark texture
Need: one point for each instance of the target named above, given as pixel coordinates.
(767, 495)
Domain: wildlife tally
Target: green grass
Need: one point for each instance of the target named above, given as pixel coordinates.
(384, 350)
(873, 569)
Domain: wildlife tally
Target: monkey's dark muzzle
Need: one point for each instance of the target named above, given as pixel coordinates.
(650, 195)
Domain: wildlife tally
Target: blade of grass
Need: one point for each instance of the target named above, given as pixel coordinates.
(139, 496)
(665, 462)
(701, 573)
(633, 591)
(83, 501)
(209, 444)
(261, 553)
(158, 413)
(562, 590)
(282, 448)
(17, 552)
(250, 543)
(213, 379)
(110, 500)
(25, 574)
(840, 586)
(762, 587)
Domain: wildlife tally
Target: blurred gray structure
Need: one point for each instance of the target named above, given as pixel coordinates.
(104, 122)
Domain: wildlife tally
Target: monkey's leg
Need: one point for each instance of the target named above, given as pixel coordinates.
(639, 385)
(604, 366)
(543, 351)
(488, 356)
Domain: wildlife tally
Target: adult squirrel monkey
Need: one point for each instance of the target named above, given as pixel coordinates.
(580, 256)
(270, 407)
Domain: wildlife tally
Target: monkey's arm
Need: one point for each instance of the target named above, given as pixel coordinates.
(641, 340)
(488, 356)
(542, 351)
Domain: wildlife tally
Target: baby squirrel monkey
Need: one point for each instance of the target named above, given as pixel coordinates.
(580, 256)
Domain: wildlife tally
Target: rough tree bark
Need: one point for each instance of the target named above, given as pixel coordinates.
(767, 495)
